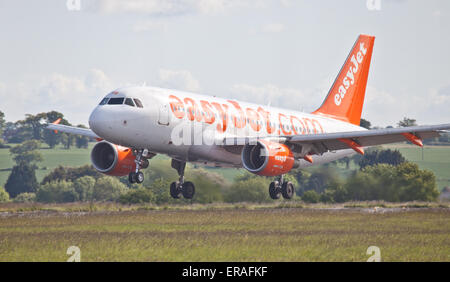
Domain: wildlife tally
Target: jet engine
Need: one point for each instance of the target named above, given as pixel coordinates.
(113, 159)
(267, 158)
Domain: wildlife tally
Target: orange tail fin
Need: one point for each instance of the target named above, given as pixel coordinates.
(346, 97)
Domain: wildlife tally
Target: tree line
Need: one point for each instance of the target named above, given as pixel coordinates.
(32, 128)
(379, 175)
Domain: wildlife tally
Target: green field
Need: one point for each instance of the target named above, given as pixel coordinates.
(436, 158)
(275, 234)
(52, 159)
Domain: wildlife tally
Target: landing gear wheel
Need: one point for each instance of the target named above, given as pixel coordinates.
(287, 190)
(274, 190)
(145, 164)
(188, 190)
(132, 177)
(139, 177)
(175, 190)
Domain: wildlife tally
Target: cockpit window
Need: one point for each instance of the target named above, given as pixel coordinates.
(104, 101)
(116, 101)
(138, 103)
(129, 102)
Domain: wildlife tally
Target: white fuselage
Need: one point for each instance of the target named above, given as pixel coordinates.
(193, 127)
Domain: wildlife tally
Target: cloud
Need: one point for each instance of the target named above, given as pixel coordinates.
(276, 96)
(74, 96)
(178, 79)
(174, 7)
(147, 25)
(384, 108)
(273, 28)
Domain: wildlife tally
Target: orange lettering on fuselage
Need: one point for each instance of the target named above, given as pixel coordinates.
(209, 114)
(176, 105)
(239, 122)
(254, 119)
(294, 126)
(282, 125)
(266, 116)
(192, 110)
(223, 114)
(206, 112)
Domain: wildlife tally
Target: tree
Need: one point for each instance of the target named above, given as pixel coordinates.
(405, 182)
(33, 124)
(208, 185)
(85, 186)
(23, 176)
(4, 196)
(22, 179)
(71, 173)
(16, 133)
(406, 122)
(57, 192)
(137, 196)
(392, 157)
(320, 179)
(108, 189)
(2, 128)
(81, 141)
(250, 190)
(25, 198)
(27, 153)
(311, 196)
(2, 123)
(49, 136)
(160, 190)
(365, 123)
(67, 140)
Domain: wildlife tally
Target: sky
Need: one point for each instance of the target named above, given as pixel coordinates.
(66, 55)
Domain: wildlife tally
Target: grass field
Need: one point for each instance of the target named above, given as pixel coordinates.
(264, 234)
(52, 159)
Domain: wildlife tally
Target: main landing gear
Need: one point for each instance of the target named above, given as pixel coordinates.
(180, 187)
(280, 187)
(141, 162)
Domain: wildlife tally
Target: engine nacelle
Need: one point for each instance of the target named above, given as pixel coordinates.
(267, 158)
(113, 159)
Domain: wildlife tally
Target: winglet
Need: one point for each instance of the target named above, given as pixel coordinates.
(56, 122)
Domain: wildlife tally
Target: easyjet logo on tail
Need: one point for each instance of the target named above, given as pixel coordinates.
(349, 79)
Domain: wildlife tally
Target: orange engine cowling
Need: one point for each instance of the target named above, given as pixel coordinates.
(267, 158)
(112, 159)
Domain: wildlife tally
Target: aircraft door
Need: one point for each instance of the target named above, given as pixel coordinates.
(163, 118)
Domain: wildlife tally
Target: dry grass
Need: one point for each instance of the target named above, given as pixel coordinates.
(227, 233)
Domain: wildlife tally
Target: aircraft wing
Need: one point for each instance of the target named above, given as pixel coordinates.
(72, 129)
(356, 139)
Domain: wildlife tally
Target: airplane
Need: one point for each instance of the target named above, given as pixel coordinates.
(135, 123)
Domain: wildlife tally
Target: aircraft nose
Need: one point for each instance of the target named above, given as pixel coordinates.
(101, 121)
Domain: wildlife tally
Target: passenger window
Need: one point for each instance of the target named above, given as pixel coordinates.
(138, 103)
(104, 101)
(116, 101)
(129, 102)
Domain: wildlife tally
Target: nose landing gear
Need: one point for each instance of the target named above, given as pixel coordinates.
(141, 161)
(180, 187)
(280, 187)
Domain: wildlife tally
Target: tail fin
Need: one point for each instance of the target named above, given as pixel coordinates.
(346, 97)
